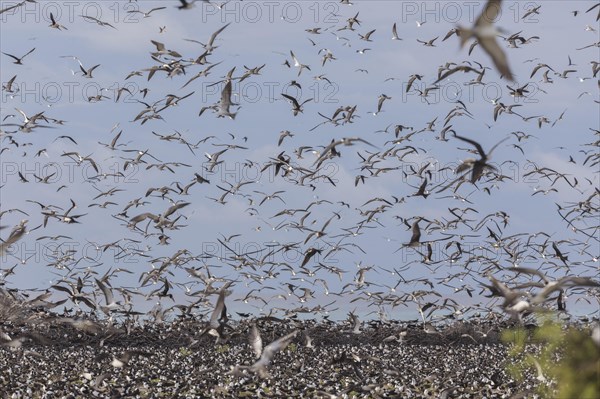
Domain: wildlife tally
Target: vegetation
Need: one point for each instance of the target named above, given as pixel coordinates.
(183, 351)
(567, 364)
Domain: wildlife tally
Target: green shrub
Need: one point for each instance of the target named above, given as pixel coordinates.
(568, 362)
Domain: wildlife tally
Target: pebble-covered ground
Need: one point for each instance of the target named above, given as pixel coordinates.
(175, 360)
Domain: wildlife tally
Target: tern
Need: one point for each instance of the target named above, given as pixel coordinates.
(146, 14)
(296, 106)
(55, 24)
(87, 73)
(331, 147)
(161, 50)
(532, 10)
(485, 33)
(186, 5)
(96, 20)
(255, 341)
(218, 317)
(108, 297)
(416, 234)
(297, 63)
(15, 235)
(428, 43)
(478, 166)
(19, 60)
(209, 46)
(269, 352)
(367, 36)
(226, 103)
(9, 85)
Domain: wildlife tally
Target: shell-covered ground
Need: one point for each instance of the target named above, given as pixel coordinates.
(395, 360)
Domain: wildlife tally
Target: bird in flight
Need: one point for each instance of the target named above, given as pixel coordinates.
(255, 340)
(226, 103)
(331, 147)
(269, 351)
(296, 106)
(146, 14)
(19, 60)
(485, 33)
(428, 43)
(15, 235)
(55, 24)
(478, 166)
(96, 20)
(186, 5)
(209, 47)
(87, 73)
(298, 64)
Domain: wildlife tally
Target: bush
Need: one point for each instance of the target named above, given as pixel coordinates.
(566, 361)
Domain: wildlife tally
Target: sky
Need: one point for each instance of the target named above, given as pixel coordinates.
(265, 33)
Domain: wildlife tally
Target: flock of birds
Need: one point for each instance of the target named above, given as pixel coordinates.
(440, 277)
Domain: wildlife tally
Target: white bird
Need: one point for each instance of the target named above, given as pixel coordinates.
(226, 103)
(255, 340)
(355, 323)
(146, 14)
(269, 351)
(87, 73)
(485, 33)
(297, 63)
(209, 46)
(15, 235)
(108, 297)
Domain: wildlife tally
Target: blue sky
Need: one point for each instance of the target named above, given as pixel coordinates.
(264, 33)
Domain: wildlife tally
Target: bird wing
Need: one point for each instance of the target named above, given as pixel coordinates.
(292, 99)
(490, 45)
(214, 35)
(108, 295)
(416, 233)
(219, 307)
(473, 143)
(255, 340)
(274, 347)
(489, 14)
